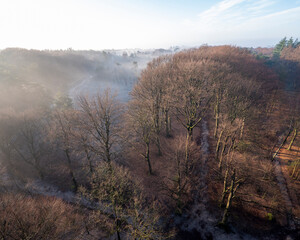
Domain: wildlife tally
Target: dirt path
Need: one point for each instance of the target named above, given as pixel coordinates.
(289, 188)
(284, 192)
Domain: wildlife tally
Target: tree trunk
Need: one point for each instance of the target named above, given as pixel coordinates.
(222, 153)
(229, 200)
(157, 129)
(158, 146)
(295, 168)
(89, 161)
(147, 156)
(41, 174)
(179, 193)
(37, 166)
(190, 132)
(293, 139)
(118, 235)
(297, 175)
(242, 128)
(224, 189)
(107, 151)
(231, 145)
(187, 152)
(75, 185)
(216, 116)
(281, 145)
(218, 144)
(167, 124)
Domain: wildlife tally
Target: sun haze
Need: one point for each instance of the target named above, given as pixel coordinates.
(92, 24)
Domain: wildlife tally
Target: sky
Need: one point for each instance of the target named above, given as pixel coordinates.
(119, 24)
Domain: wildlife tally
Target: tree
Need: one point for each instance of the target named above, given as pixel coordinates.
(290, 42)
(140, 126)
(151, 91)
(8, 131)
(37, 217)
(145, 222)
(81, 141)
(62, 101)
(22, 143)
(279, 47)
(61, 133)
(113, 189)
(30, 143)
(102, 118)
(180, 184)
(191, 94)
(119, 198)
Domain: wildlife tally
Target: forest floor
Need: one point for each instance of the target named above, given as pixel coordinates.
(286, 161)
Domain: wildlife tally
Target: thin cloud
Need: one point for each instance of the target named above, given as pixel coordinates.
(280, 13)
(234, 11)
(260, 6)
(218, 10)
(243, 21)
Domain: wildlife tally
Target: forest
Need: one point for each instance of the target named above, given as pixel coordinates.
(206, 146)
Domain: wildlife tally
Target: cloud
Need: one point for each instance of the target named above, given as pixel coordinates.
(234, 11)
(259, 6)
(233, 21)
(283, 23)
(218, 10)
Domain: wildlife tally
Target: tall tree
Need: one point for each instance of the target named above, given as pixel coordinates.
(61, 133)
(279, 47)
(141, 128)
(102, 120)
(30, 143)
(151, 90)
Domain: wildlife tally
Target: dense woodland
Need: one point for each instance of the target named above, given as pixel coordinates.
(207, 147)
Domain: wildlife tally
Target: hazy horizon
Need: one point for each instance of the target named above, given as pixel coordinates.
(116, 24)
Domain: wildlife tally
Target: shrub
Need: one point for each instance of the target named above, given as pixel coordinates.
(37, 217)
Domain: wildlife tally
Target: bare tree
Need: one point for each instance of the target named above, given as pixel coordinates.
(102, 118)
(61, 133)
(113, 188)
(191, 95)
(119, 198)
(23, 142)
(140, 126)
(178, 185)
(145, 221)
(30, 144)
(81, 139)
(8, 131)
(37, 217)
(151, 90)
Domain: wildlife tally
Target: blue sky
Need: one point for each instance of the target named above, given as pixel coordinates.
(99, 24)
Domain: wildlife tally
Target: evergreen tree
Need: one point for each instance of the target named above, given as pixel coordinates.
(279, 47)
(296, 43)
(290, 42)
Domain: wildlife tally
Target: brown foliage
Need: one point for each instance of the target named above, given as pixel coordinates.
(37, 217)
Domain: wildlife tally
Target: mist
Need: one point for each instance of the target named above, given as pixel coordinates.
(33, 78)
